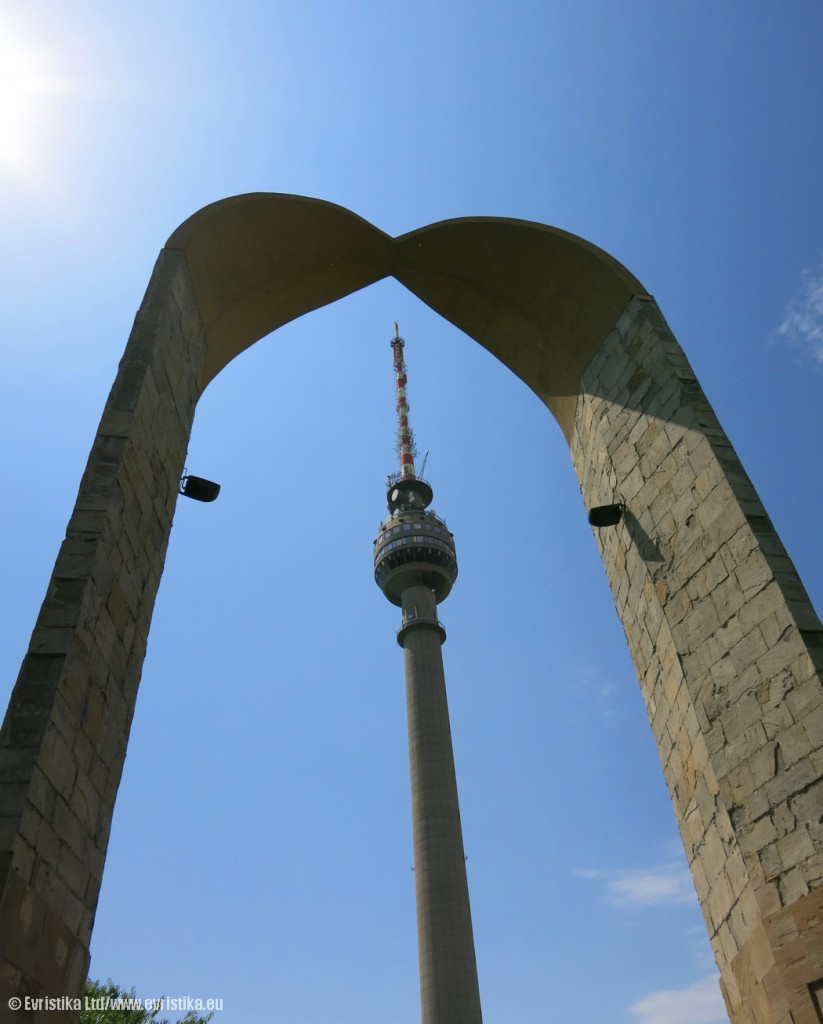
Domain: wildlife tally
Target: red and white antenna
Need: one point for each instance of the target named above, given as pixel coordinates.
(405, 438)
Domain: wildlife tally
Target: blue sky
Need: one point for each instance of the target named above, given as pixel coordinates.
(261, 847)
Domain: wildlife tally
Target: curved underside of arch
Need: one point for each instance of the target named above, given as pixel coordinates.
(540, 299)
(260, 260)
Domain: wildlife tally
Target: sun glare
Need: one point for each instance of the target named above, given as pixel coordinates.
(24, 82)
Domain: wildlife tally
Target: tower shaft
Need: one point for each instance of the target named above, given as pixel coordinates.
(449, 991)
(415, 565)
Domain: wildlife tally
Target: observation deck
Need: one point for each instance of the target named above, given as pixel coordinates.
(414, 549)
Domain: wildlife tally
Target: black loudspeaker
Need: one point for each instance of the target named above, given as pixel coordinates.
(198, 488)
(605, 515)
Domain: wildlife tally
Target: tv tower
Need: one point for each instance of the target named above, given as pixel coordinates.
(415, 565)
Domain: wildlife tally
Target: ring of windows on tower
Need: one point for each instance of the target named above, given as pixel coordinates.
(407, 554)
(414, 539)
(414, 548)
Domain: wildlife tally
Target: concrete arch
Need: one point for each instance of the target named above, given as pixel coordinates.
(260, 260)
(726, 645)
(540, 299)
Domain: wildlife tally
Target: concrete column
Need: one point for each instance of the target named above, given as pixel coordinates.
(449, 990)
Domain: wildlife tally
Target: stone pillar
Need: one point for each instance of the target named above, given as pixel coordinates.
(449, 991)
(728, 651)
(63, 741)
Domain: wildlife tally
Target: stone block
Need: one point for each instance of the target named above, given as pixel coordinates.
(777, 626)
(758, 836)
(795, 848)
(793, 744)
(777, 658)
(48, 844)
(760, 606)
(754, 574)
(749, 650)
(727, 946)
(807, 804)
(812, 723)
(738, 876)
(66, 825)
(48, 886)
(792, 887)
(776, 720)
(719, 900)
(73, 872)
(85, 803)
(57, 763)
(763, 764)
(791, 782)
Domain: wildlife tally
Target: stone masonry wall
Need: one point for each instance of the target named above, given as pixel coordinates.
(727, 649)
(63, 742)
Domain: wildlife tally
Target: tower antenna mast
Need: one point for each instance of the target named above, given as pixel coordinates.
(405, 438)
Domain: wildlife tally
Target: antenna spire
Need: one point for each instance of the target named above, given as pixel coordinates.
(405, 438)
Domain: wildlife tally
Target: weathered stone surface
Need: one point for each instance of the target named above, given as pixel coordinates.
(63, 741)
(731, 645)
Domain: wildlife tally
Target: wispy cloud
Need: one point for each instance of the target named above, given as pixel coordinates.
(700, 1003)
(597, 690)
(665, 884)
(803, 324)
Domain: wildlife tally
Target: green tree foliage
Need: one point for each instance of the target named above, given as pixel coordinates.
(109, 1004)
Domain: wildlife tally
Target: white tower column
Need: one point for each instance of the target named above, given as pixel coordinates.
(415, 565)
(449, 991)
